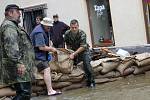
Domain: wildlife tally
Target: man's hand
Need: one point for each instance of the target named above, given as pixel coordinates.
(53, 49)
(21, 69)
(72, 56)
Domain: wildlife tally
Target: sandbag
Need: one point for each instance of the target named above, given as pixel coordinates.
(66, 66)
(76, 79)
(142, 59)
(40, 83)
(109, 66)
(63, 63)
(64, 78)
(112, 74)
(141, 69)
(104, 80)
(54, 66)
(128, 71)
(40, 86)
(37, 88)
(59, 85)
(7, 92)
(54, 77)
(124, 65)
(97, 69)
(95, 63)
(73, 79)
(76, 72)
(142, 56)
(141, 63)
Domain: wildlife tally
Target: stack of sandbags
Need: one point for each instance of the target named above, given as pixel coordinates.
(142, 63)
(66, 76)
(113, 67)
(106, 68)
(125, 66)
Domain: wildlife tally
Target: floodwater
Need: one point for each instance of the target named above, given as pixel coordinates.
(129, 88)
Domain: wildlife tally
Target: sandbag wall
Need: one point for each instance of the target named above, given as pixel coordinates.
(66, 76)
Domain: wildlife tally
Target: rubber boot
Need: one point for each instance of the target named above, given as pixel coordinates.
(23, 91)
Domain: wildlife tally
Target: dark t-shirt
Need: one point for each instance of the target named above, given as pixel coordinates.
(59, 28)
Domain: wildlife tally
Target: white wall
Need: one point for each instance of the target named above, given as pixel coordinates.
(128, 22)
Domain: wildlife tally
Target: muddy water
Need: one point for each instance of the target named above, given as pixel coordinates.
(129, 88)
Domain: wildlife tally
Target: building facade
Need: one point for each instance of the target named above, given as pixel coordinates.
(106, 22)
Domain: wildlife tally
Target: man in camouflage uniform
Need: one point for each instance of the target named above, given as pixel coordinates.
(76, 40)
(16, 54)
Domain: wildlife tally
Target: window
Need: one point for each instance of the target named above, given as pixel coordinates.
(100, 22)
(146, 6)
(30, 14)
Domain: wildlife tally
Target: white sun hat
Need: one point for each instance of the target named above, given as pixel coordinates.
(47, 21)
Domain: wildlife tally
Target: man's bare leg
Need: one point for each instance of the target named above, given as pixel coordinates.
(48, 81)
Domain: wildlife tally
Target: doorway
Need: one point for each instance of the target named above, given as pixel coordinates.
(30, 14)
(146, 7)
(100, 23)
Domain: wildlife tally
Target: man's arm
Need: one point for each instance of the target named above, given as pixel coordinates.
(79, 50)
(47, 48)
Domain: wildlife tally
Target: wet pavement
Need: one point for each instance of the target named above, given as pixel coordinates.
(129, 88)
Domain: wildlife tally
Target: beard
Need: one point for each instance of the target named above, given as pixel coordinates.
(18, 20)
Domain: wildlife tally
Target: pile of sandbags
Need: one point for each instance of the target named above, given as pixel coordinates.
(66, 76)
(116, 67)
(142, 63)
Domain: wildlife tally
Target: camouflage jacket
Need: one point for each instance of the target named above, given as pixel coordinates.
(15, 48)
(74, 41)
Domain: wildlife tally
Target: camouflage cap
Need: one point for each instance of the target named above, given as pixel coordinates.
(12, 6)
